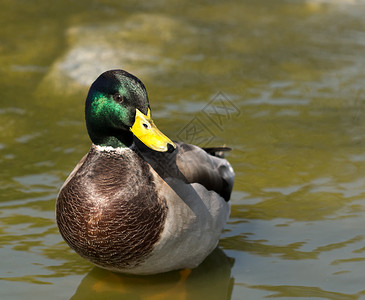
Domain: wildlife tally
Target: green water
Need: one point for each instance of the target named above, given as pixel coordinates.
(281, 82)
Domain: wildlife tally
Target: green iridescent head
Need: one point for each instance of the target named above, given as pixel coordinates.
(116, 108)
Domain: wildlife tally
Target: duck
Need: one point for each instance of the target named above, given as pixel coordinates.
(137, 202)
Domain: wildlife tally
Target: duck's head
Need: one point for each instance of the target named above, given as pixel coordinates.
(117, 108)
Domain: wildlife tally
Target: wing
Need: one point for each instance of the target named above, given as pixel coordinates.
(192, 165)
(215, 173)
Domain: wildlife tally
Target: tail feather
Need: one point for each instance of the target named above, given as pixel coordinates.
(217, 151)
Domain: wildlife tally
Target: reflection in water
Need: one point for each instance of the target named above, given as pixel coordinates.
(211, 280)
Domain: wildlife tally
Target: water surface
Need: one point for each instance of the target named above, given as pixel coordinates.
(281, 82)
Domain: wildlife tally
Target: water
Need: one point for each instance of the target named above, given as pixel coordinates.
(287, 81)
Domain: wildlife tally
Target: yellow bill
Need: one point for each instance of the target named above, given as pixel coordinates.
(147, 132)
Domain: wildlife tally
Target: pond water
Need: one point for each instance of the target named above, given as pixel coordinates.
(281, 82)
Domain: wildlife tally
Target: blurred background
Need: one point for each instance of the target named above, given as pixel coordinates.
(281, 82)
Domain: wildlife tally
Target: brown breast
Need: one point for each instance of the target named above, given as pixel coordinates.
(109, 212)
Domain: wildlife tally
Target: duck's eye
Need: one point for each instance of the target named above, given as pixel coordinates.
(118, 97)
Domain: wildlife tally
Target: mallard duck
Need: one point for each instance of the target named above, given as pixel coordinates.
(138, 202)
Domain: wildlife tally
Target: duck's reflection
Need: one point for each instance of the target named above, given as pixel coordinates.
(211, 280)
